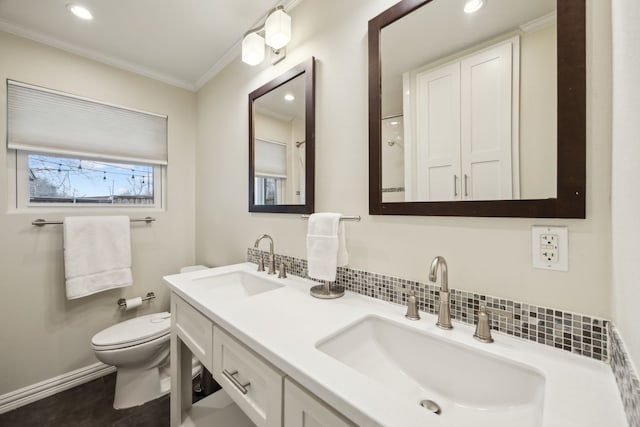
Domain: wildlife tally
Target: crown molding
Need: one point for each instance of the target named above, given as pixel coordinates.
(539, 23)
(220, 64)
(21, 31)
(113, 61)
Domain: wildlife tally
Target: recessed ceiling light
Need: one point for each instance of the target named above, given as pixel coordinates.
(289, 97)
(80, 11)
(472, 6)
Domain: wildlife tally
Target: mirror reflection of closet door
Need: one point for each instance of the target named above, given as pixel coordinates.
(486, 124)
(467, 127)
(437, 106)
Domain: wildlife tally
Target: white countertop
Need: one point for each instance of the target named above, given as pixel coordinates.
(284, 326)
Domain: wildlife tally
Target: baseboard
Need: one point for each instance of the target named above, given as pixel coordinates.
(46, 388)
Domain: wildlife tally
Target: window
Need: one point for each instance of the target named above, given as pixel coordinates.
(64, 180)
(74, 151)
(269, 190)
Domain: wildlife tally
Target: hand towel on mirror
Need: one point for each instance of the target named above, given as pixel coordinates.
(326, 246)
(97, 254)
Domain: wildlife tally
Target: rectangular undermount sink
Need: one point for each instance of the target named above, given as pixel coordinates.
(470, 387)
(234, 285)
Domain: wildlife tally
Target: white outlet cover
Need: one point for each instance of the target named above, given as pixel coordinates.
(538, 246)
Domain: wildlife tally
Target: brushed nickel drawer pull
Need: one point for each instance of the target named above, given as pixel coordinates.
(231, 377)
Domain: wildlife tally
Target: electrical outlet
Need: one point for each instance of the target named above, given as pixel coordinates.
(550, 248)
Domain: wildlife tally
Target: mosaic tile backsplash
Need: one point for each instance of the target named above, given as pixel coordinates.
(567, 331)
(626, 377)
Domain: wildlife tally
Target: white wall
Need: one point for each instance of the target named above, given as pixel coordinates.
(626, 172)
(43, 334)
(485, 255)
(272, 129)
(538, 114)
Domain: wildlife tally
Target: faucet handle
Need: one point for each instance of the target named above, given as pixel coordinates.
(483, 327)
(282, 271)
(260, 263)
(412, 303)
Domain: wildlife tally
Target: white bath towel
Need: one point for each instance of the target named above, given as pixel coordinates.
(97, 254)
(326, 246)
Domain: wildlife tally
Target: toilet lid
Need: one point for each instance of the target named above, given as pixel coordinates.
(133, 331)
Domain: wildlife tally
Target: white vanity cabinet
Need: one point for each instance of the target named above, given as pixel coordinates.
(286, 359)
(192, 335)
(255, 393)
(302, 409)
(252, 383)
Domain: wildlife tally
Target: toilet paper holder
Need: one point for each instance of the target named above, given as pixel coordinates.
(123, 302)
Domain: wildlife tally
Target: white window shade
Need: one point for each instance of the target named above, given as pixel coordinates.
(52, 122)
(270, 159)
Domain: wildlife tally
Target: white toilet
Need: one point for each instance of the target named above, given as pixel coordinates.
(139, 349)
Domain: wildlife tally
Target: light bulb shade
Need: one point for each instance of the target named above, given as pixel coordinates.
(277, 29)
(252, 49)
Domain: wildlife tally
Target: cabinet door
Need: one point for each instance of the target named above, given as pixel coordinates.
(251, 382)
(438, 133)
(487, 82)
(302, 409)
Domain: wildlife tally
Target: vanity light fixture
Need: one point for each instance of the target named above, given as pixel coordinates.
(277, 34)
(252, 49)
(472, 6)
(80, 11)
(277, 28)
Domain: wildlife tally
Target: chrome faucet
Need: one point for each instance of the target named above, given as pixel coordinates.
(272, 257)
(444, 314)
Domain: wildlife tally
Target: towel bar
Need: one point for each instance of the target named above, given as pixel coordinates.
(40, 222)
(355, 218)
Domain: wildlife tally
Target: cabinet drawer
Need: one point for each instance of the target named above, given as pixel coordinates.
(194, 329)
(303, 409)
(252, 383)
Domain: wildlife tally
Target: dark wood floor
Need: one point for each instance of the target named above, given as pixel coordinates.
(89, 405)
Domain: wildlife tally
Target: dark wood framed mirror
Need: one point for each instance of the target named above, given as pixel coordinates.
(282, 142)
(411, 171)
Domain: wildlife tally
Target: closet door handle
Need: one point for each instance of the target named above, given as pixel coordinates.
(455, 185)
(231, 377)
(466, 185)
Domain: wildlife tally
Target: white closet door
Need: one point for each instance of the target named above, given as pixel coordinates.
(486, 88)
(438, 133)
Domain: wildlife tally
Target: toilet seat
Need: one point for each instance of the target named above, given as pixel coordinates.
(133, 332)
